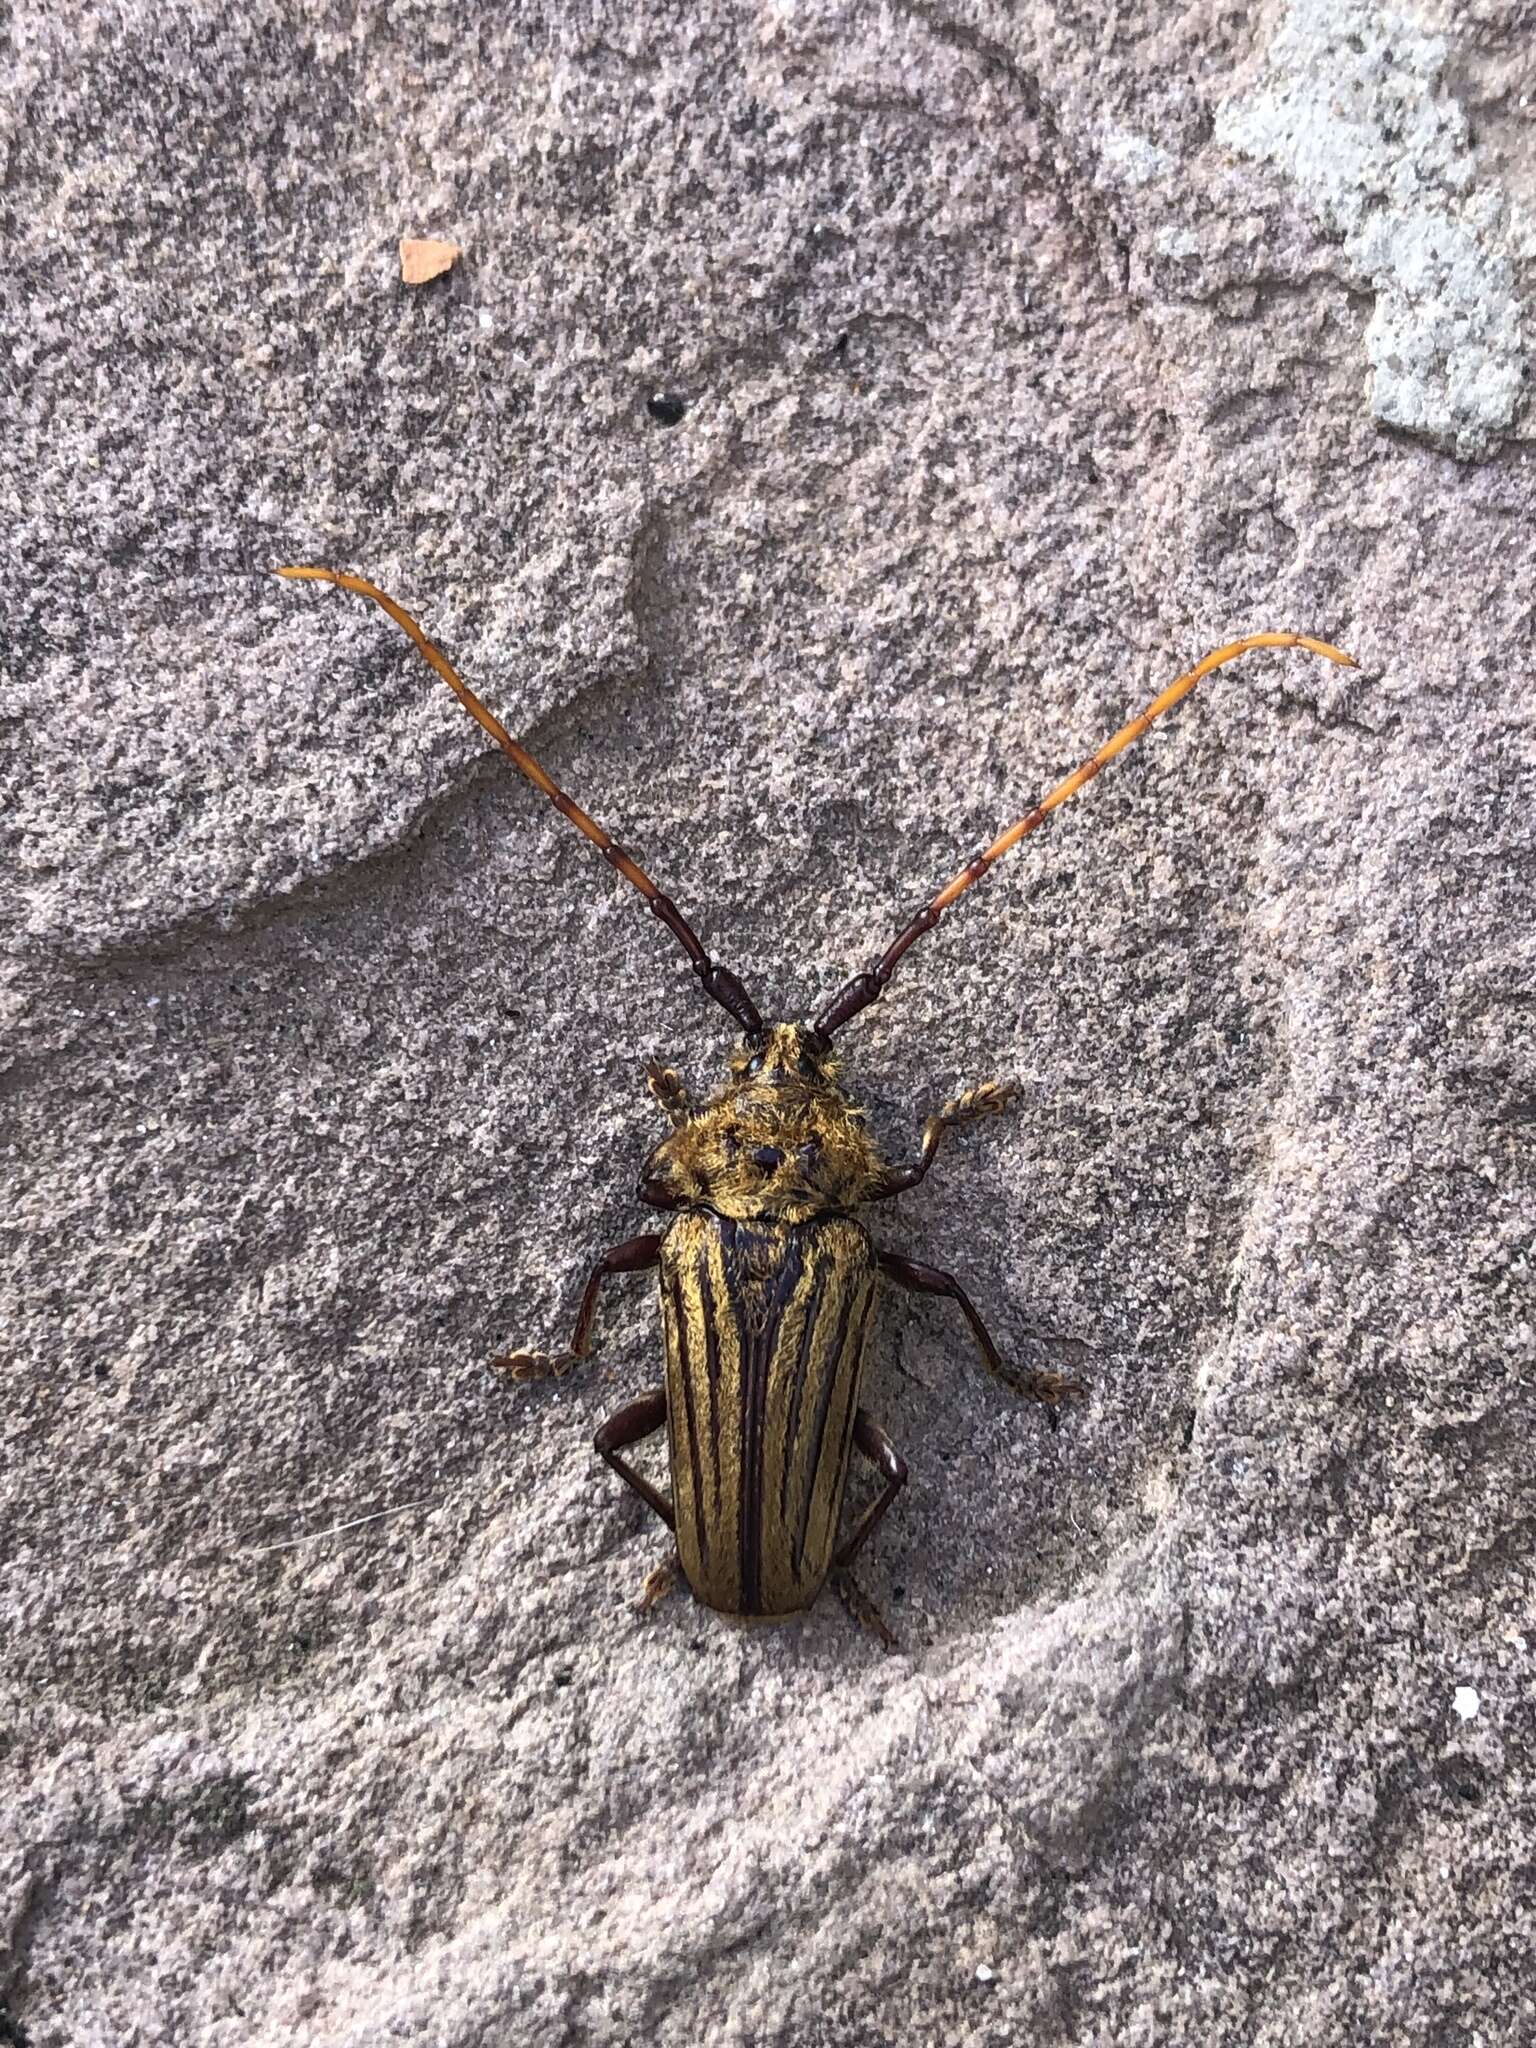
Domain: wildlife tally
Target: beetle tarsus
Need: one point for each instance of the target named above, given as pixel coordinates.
(669, 1089)
(659, 1583)
(988, 1098)
(1053, 1389)
(862, 1609)
(638, 1255)
(534, 1365)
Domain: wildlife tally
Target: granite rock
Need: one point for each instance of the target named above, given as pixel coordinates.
(1014, 358)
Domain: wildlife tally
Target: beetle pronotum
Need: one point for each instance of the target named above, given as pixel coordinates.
(767, 1280)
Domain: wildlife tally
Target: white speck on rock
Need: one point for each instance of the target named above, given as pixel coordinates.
(984, 1973)
(1465, 1702)
(1351, 105)
(1177, 242)
(1138, 161)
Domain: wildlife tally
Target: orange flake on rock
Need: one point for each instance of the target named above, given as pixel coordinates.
(421, 261)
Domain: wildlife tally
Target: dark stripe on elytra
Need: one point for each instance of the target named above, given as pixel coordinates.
(685, 1367)
(712, 1370)
(791, 1464)
(812, 1462)
(757, 1356)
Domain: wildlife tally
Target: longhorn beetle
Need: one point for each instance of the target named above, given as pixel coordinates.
(768, 1282)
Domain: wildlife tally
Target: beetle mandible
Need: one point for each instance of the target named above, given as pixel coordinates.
(767, 1280)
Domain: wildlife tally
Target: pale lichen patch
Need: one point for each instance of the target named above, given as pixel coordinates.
(1352, 104)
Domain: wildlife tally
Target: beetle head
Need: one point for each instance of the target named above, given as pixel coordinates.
(782, 1056)
(777, 1140)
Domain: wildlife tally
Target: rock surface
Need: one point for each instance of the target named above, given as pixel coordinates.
(1021, 360)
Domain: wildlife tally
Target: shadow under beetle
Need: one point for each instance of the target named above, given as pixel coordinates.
(768, 1282)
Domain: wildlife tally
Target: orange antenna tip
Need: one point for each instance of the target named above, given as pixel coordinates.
(1328, 652)
(867, 988)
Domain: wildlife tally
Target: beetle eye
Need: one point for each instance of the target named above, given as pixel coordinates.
(755, 1064)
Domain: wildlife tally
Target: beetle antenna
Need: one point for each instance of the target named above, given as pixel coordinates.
(718, 982)
(865, 989)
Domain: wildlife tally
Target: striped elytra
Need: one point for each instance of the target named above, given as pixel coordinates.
(766, 1326)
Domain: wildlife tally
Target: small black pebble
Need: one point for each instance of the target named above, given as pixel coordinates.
(898, 1592)
(563, 1677)
(840, 347)
(666, 408)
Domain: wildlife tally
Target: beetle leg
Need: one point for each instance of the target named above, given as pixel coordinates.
(882, 1453)
(1050, 1387)
(632, 1425)
(990, 1099)
(862, 1608)
(637, 1256)
(671, 1091)
(660, 1582)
